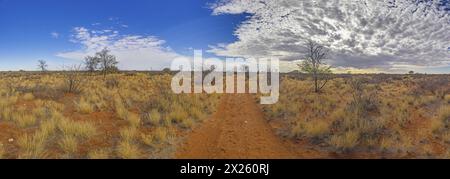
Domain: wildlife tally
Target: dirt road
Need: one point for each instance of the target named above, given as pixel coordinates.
(237, 130)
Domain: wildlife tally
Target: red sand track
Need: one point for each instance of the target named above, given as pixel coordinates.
(237, 130)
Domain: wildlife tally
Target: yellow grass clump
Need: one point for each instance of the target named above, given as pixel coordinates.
(154, 117)
(160, 134)
(69, 144)
(84, 106)
(128, 134)
(316, 128)
(346, 141)
(178, 114)
(24, 120)
(77, 129)
(127, 150)
(149, 140)
(32, 146)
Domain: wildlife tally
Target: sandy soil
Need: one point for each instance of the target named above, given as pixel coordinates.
(238, 130)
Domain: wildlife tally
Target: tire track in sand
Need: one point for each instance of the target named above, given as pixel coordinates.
(238, 130)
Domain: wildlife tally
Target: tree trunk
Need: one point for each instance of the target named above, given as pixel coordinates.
(316, 83)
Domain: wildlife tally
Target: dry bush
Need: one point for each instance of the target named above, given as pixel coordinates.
(432, 85)
(47, 92)
(73, 80)
(364, 102)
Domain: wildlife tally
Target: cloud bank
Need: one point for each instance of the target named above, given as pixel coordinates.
(133, 52)
(388, 35)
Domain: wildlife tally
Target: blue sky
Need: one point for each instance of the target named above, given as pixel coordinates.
(27, 26)
(364, 36)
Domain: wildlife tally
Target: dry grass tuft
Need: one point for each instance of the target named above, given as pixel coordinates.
(76, 129)
(32, 146)
(24, 120)
(128, 134)
(149, 140)
(316, 128)
(154, 117)
(178, 114)
(69, 145)
(160, 134)
(120, 109)
(127, 150)
(85, 107)
(346, 141)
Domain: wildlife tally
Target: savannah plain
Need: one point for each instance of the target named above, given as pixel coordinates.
(135, 115)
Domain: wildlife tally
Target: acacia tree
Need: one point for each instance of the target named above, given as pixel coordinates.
(91, 63)
(108, 62)
(315, 66)
(103, 61)
(42, 65)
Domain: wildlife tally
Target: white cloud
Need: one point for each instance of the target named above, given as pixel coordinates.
(390, 35)
(55, 35)
(134, 52)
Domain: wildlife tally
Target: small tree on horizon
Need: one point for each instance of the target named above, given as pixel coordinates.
(103, 61)
(315, 66)
(91, 63)
(42, 65)
(108, 62)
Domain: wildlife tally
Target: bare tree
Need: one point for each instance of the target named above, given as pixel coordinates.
(42, 65)
(314, 64)
(108, 62)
